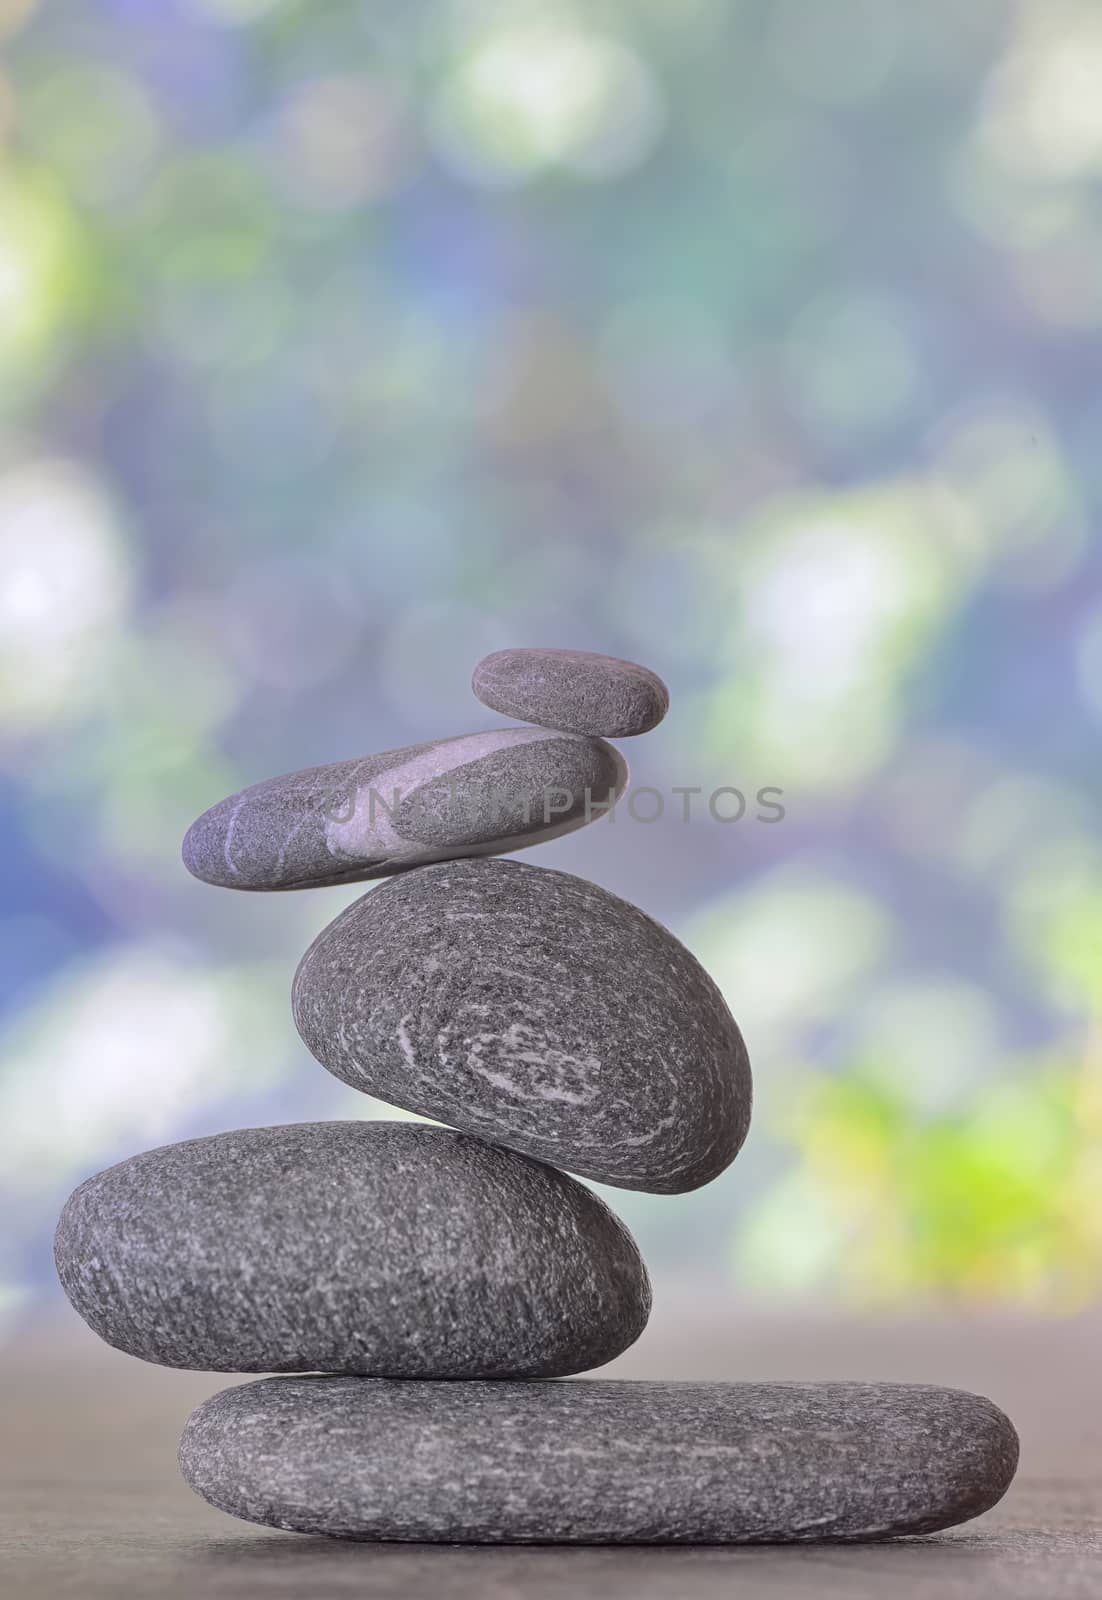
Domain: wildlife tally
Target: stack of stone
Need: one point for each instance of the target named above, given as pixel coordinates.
(551, 1025)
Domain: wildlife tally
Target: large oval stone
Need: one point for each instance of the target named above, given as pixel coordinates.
(599, 1462)
(479, 794)
(536, 1009)
(369, 1247)
(573, 689)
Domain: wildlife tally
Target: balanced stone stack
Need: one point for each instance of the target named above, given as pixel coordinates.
(552, 1026)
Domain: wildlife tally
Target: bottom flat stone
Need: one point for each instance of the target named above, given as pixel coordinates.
(598, 1462)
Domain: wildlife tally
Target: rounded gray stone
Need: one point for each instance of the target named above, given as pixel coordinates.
(599, 1462)
(536, 1009)
(572, 689)
(479, 794)
(371, 1247)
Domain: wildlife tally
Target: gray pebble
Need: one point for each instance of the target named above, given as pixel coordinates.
(479, 794)
(599, 1462)
(536, 1009)
(372, 1247)
(572, 689)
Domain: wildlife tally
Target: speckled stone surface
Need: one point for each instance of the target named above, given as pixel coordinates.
(373, 1247)
(536, 1009)
(598, 1462)
(572, 689)
(479, 794)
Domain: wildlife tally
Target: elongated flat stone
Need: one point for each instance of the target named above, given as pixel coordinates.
(573, 689)
(479, 794)
(536, 1009)
(599, 1462)
(371, 1247)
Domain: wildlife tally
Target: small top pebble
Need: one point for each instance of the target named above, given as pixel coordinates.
(574, 690)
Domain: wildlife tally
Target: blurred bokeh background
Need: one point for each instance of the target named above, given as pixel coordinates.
(758, 340)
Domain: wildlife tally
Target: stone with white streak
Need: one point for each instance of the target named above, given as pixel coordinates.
(535, 1009)
(479, 794)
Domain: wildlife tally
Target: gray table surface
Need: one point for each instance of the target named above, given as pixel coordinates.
(91, 1503)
